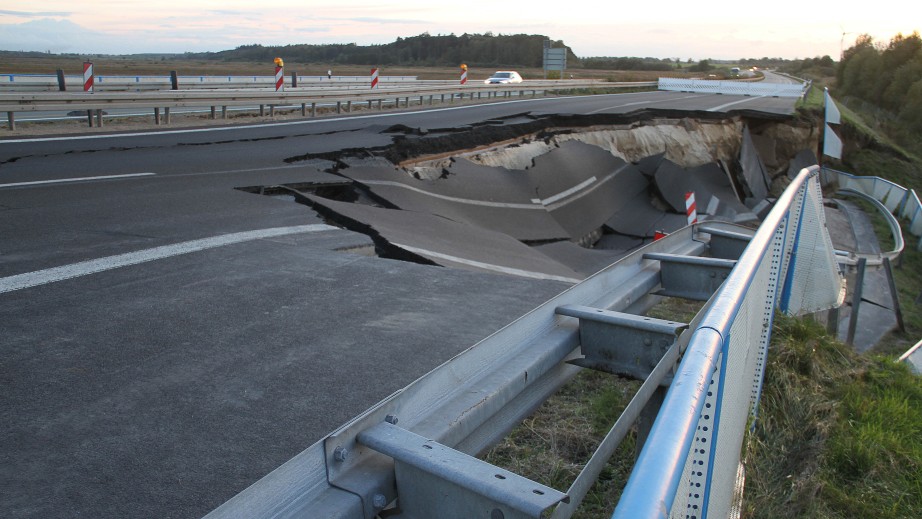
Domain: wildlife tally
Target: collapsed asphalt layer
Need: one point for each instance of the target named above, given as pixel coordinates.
(573, 209)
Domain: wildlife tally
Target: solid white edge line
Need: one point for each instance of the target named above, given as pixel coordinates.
(83, 268)
(488, 266)
(78, 179)
(271, 125)
(469, 201)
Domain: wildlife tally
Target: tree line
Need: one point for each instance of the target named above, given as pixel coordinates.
(477, 50)
(885, 75)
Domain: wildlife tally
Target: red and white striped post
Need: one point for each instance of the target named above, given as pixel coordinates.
(463, 74)
(88, 76)
(374, 77)
(691, 209)
(279, 75)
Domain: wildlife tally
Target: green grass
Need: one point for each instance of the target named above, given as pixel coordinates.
(839, 435)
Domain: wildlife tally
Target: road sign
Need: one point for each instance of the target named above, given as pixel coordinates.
(555, 59)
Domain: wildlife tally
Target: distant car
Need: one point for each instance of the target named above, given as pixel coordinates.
(502, 77)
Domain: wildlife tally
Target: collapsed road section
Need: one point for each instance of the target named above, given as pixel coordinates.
(556, 197)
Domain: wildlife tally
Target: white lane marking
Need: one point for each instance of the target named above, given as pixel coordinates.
(488, 266)
(506, 205)
(278, 124)
(83, 268)
(537, 203)
(78, 179)
(645, 103)
(746, 100)
(563, 194)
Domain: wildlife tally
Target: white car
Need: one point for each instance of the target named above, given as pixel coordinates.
(503, 77)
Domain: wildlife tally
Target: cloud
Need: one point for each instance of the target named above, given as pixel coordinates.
(35, 14)
(46, 34)
(384, 20)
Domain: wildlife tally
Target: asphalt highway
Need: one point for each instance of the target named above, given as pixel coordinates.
(169, 337)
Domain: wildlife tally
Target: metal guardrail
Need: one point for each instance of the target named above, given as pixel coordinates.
(12, 103)
(420, 441)
(690, 464)
(913, 357)
(114, 83)
(731, 87)
(898, 200)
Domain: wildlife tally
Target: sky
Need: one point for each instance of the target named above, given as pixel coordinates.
(716, 29)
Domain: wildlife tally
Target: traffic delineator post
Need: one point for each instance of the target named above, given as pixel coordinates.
(691, 209)
(279, 74)
(88, 79)
(374, 77)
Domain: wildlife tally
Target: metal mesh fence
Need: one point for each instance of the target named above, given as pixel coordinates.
(790, 264)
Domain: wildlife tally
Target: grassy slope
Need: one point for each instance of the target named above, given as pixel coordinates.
(839, 435)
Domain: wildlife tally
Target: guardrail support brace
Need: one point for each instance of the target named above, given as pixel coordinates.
(622, 344)
(691, 277)
(434, 480)
(725, 244)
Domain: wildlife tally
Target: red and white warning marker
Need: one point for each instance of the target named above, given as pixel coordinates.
(88, 77)
(691, 209)
(463, 73)
(374, 77)
(279, 75)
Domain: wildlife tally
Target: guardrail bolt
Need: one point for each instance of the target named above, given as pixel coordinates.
(391, 419)
(379, 501)
(340, 453)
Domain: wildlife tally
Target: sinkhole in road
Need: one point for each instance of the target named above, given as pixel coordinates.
(545, 197)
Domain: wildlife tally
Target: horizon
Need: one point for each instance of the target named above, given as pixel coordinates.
(728, 31)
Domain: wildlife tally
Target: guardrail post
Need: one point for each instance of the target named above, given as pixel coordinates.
(856, 301)
(380, 104)
(174, 80)
(339, 107)
(166, 114)
(832, 322)
(895, 295)
(11, 117)
(213, 112)
(647, 417)
(62, 86)
(262, 110)
(294, 80)
(303, 109)
(89, 117)
(157, 116)
(313, 109)
(348, 106)
(271, 110)
(99, 118)
(224, 112)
